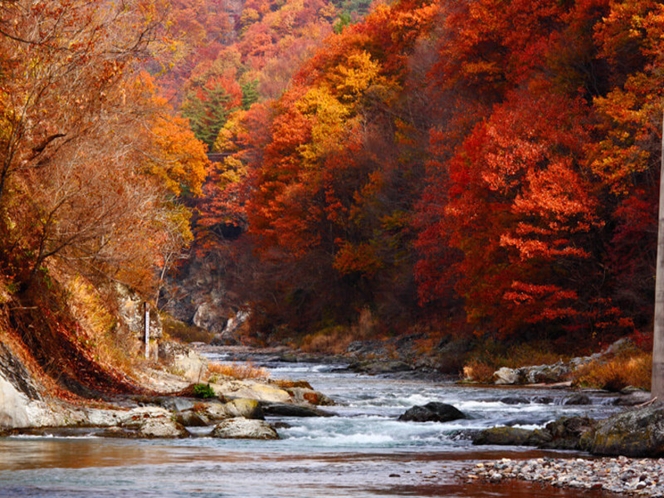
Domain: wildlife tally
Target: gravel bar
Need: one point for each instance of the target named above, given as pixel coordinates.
(625, 476)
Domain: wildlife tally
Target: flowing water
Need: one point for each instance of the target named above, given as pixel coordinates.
(362, 452)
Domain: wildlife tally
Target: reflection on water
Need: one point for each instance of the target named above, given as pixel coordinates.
(39, 467)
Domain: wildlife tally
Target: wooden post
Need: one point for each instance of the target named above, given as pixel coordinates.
(657, 387)
(146, 307)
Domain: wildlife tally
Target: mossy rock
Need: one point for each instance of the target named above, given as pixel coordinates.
(635, 433)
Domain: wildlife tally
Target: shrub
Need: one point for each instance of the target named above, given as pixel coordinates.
(204, 391)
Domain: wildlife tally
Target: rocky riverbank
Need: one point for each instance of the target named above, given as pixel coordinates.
(183, 399)
(622, 475)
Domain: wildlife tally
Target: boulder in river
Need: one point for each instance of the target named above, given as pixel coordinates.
(564, 434)
(432, 412)
(242, 428)
(633, 433)
(505, 436)
(150, 422)
(577, 399)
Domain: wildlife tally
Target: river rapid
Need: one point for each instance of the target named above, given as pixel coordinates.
(363, 452)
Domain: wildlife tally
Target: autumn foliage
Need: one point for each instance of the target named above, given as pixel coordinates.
(92, 164)
(482, 168)
(493, 164)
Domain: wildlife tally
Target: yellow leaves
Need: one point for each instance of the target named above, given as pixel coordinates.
(180, 160)
(329, 119)
(351, 79)
(178, 224)
(631, 118)
(229, 132)
(232, 171)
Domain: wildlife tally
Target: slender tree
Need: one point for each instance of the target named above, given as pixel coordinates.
(657, 388)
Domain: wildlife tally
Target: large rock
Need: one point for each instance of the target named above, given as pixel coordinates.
(536, 374)
(243, 407)
(504, 436)
(21, 404)
(210, 317)
(545, 374)
(565, 433)
(240, 407)
(269, 393)
(635, 433)
(13, 407)
(242, 428)
(183, 361)
(151, 422)
(432, 412)
(506, 376)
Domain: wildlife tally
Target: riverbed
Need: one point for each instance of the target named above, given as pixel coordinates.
(364, 451)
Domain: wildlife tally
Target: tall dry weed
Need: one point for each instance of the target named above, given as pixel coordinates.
(240, 371)
(613, 374)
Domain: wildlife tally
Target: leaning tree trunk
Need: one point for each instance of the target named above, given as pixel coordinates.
(657, 389)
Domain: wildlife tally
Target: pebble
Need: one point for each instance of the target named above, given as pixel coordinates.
(627, 476)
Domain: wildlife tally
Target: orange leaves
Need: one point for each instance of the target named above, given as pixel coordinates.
(360, 259)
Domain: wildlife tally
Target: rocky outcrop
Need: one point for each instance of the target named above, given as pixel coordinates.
(536, 374)
(16, 391)
(242, 428)
(432, 412)
(13, 406)
(228, 334)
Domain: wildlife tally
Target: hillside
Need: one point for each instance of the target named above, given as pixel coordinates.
(480, 174)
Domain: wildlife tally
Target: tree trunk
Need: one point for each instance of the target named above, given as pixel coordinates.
(657, 390)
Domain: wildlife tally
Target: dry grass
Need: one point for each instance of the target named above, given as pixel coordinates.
(627, 368)
(478, 371)
(491, 355)
(98, 333)
(335, 340)
(240, 371)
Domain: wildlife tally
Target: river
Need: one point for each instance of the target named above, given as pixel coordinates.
(364, 452)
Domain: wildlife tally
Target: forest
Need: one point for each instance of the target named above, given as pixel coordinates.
(485, 169)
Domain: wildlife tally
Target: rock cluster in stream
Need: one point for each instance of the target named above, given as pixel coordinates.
(642, 477)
